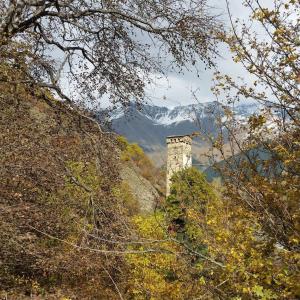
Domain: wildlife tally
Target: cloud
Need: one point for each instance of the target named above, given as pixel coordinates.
(176, 90)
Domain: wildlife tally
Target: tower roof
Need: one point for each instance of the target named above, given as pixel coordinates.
(182, 135)
(187, 139)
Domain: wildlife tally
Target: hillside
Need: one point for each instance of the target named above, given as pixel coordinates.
(63, 187)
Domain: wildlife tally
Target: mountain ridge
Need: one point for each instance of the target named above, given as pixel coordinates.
(150, 124)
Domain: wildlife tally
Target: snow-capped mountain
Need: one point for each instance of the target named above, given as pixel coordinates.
(150, 125)
(168, 116)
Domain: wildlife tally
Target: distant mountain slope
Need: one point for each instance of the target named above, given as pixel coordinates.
(150, 125)
(256, 155)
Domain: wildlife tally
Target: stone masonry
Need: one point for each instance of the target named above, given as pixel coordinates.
(179, 156)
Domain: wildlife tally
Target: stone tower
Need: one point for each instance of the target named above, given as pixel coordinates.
(179, 156)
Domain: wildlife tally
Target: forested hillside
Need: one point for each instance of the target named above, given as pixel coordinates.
(65, 211)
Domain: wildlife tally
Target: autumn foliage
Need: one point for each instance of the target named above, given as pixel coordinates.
(71, 229)
(209, 246)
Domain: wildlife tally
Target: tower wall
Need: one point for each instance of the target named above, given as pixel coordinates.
(179, 156)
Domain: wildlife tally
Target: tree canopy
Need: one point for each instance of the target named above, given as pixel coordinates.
(105, 47)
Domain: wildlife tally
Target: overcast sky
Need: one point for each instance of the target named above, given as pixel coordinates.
(176, 89)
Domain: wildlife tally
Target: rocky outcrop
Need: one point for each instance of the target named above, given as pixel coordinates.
(140, 187)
